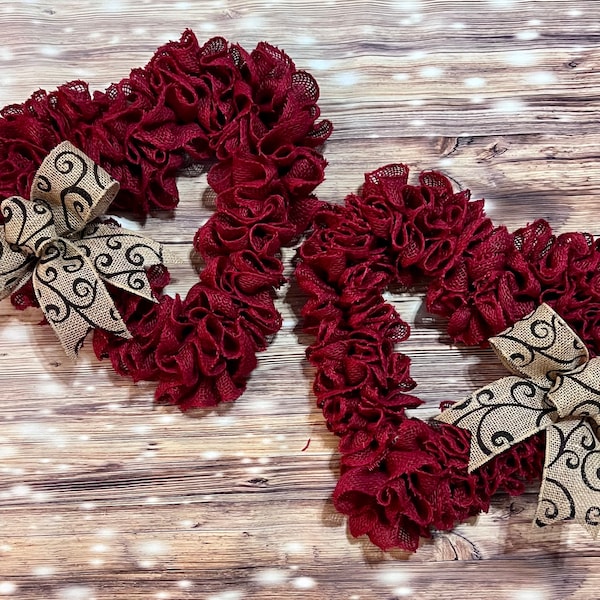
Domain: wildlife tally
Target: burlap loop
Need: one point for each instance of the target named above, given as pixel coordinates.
(56, 239)
(556, 388)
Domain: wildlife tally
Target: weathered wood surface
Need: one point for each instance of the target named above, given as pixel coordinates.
(104, 496)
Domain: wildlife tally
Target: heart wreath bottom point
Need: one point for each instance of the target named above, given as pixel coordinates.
(255, 117)
(535, 294)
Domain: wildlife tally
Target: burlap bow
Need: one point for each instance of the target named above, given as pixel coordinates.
(557, 389)
(57, 240)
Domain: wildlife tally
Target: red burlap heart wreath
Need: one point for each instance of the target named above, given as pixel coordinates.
(401, 476)
(255, 116)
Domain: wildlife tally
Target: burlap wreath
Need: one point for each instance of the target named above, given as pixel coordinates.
(252, 114)
(402, 477)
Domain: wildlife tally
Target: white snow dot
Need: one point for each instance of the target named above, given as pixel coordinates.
(509, 105)
(227, 595)
(431, 72)
(49, 50)
(474, 82)
(153, 547)
(7, 451)
(306, 40)
(106, 533)
(211, 454)
(251, 22)
(540, 78)
(521, 58)
(20, 490)
(401, 77)
(403, 591)
(407, 5)
(575, 12)
(392, 577)
(320, 64)
(417, 122)
(502, 3)
(293, 547)
(184, 584)
(270, 577)
(529, 595)
(42, 571)
(304, 583)
(7, 588)
(76, 592)
(140, 429)
(204, 26)
(417, 55)
(527, 34)
(347, 78)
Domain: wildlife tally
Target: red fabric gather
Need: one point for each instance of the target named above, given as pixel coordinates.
(256, 117)
(401, 477)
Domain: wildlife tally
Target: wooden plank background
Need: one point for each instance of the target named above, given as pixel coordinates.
(104, 496)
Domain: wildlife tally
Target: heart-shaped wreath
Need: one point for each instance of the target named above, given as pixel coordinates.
(402, 476)
(251, 113)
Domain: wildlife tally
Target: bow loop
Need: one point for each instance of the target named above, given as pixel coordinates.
(558, 393)
(28, 225)
(539, 346)
(77, 189)
(55, 239)
(577, 393)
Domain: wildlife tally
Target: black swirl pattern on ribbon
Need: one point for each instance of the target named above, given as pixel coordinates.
(559, 393)
(57, 240)
(541, 345)
(572, 446)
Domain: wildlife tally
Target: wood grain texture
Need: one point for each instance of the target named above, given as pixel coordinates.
(103, 495)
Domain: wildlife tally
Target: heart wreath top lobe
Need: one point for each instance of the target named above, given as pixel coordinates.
(402, 477)
(251, 113)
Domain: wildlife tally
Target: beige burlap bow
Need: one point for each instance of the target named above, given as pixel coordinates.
(556, 388)
(57, 240)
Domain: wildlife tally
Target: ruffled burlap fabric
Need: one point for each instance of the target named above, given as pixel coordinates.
(402, 477)
(254, 116)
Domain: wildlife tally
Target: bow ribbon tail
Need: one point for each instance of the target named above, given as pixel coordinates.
(72, 296)
(499, 415)
(571, 482)
(15, 268)
(121, 257)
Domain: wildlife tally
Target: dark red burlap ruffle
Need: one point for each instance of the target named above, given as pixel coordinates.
(256, 117)
(401, 476)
